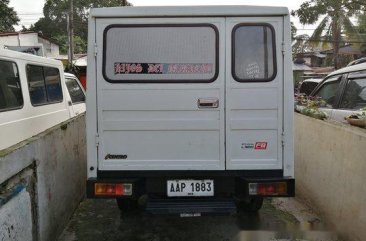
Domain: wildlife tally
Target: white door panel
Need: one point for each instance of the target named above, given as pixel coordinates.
(253, 109)
(159, 126)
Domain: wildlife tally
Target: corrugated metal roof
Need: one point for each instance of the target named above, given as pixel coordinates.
(300, 67)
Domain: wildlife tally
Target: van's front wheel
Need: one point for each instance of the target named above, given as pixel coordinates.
(252, 204)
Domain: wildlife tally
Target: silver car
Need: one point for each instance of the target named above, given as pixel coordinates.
(344, 92)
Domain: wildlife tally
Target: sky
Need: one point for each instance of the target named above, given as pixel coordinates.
(29, 11)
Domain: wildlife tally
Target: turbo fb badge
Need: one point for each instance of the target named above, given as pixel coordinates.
(260, 146)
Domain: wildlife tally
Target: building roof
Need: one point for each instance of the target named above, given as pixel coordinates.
(300, 67)
(15, 33)
(189, 11)
(347, 49)
(6, 34)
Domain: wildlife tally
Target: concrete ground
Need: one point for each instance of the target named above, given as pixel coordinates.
(279, 220)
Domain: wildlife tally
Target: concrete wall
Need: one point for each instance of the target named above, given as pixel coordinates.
(330, 172)
(16, 225)
(59, 159)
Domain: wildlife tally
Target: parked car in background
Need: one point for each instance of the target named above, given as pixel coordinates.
(344, 92)
(33, 96)
(357, 61)
(77, 93)
(307, 86)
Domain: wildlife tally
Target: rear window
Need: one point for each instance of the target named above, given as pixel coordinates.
(253, 53)
(174, 53)
(10, 90)
(44, 85)
(76, 93)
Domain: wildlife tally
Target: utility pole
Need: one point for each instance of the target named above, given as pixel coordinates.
(70, 30)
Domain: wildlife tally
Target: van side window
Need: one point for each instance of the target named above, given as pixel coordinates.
(328, 90)
(160, 53)
(355, 94)
(10, 89)
(44, 85)
(76, 93)
(253, 53)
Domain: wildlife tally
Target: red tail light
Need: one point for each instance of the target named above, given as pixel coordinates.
(113, 189)
(268, 189)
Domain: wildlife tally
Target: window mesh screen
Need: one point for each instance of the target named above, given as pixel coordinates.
(160, 53)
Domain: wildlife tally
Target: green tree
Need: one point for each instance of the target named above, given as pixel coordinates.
(8, 17)
(335, 27)
(79, 44)
(301, 45)
(293, 31)
(54, 23)
(361, 26)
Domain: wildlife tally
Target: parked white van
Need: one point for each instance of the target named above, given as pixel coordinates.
(76, 92)
(191, 107)
(33, 96)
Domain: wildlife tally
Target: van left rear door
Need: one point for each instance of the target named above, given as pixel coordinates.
(160, 93)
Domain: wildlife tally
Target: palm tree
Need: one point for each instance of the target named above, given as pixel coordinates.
(361, 25)
(335, 27)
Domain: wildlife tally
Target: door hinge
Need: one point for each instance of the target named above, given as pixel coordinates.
(283, 48)
(97, 139)
(95, 49)
(283, 139)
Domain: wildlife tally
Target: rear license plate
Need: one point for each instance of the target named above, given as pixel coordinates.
(190, 188)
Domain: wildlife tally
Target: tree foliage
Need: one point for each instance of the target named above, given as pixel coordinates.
(293, 31)
(335, 27)
(361, 26)
(54, 22)
(8, 17)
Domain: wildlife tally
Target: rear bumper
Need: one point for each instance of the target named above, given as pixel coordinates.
(227, 184)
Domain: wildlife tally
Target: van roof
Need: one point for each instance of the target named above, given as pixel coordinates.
(11, 54)
(189, 11)
(352, 68)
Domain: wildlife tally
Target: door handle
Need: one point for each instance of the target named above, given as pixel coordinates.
(208, 103)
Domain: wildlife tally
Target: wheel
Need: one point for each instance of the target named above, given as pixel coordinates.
(252, 204)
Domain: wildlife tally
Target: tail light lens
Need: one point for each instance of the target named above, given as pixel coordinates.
(113, 189)
(268, 189)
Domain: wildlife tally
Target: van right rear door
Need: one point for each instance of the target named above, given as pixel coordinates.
(254, 93)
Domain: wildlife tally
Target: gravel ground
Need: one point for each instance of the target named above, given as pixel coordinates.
(281, 219)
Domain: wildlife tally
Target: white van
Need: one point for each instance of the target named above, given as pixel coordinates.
(76, 92)
(191, 107)
(33, 96)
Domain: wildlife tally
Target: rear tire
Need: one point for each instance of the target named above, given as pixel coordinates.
(252, 204)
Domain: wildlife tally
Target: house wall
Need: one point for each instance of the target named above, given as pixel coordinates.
(49, 49)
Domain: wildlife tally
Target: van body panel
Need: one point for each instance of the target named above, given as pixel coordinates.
(137, 114)
(190, 95)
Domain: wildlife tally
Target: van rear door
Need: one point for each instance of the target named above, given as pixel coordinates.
(254, 93)
(160, 93)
